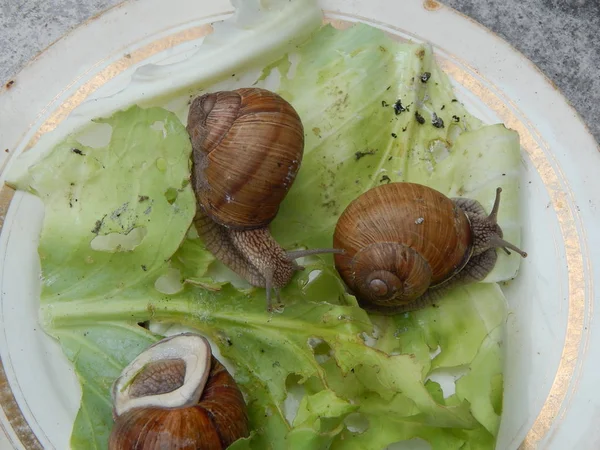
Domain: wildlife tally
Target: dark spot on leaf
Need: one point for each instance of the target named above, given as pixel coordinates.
(144, 268)
(419, 118)
(425, 76)
(454, 100)
(142, 198)
(456, 118)
(77, 151)
(437, 121)
(394, 135)
(9, 84)
(98, 225)
(384, 103)
(398, 108)
(6, 150)
(362, 154)
(385, 179)
(443, 107)
(329, 204)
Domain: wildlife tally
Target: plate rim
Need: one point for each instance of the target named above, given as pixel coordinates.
(434, 7)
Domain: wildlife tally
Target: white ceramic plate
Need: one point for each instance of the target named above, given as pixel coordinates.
(552, 400)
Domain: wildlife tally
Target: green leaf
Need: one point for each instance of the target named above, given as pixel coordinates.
(344, 86)
(93, 193)
(99, 352)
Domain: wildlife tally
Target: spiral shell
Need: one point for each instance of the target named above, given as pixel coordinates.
(247, 149)
(218, 420)
(400, 239)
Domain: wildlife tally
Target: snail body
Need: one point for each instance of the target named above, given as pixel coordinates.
(406, 242)
(160, 402)
(247, 146)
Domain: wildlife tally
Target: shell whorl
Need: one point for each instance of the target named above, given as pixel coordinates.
(247, 149)
(413, 232)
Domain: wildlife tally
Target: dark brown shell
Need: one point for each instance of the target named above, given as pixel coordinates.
(410, 230)
(247, 149)
(218, 420)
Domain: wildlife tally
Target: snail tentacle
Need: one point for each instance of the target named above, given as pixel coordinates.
(487, 234)
(296, 254)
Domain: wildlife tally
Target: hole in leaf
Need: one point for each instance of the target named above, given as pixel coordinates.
(435, 352)
(439, 149)
(412, 444)
(370, 340)
(96, 135)
(295, 394)
(119, 242)
(447, 377)
(454, 130)
(356, 423)
(171, 195)
(313, 275)
(159, 125)
(272, 80)
(169, 283)
(321, 349)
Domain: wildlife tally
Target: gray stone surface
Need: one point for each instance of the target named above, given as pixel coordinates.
(561, 36)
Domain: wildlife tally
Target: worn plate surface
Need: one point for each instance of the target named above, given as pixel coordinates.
(552, 400)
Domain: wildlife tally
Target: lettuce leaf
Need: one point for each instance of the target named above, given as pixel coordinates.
(361, 131)
(320, 373)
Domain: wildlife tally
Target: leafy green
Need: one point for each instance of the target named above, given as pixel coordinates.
(99, 352)
(357, 139)
(319, 373)
(111, 191)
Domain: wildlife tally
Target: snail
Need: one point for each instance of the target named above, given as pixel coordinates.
(405, 243)
(247, 146)
(176, 395)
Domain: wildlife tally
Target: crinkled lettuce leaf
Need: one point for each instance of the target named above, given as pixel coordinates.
(116, 253)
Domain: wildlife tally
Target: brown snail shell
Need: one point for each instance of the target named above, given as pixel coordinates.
(248, 146)
(214, 422)
(403, 241)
